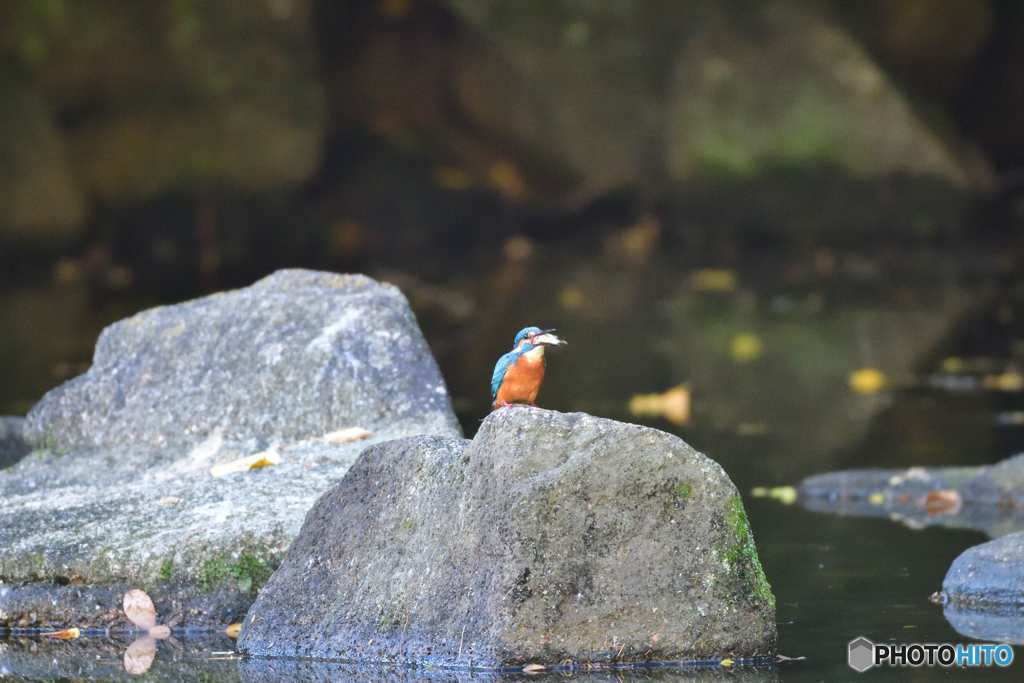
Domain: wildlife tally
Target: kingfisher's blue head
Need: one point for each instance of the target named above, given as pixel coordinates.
(536, 336)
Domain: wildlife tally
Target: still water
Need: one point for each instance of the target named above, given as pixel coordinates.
(765, 355)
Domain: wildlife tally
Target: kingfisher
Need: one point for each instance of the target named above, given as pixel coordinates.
(519, 373)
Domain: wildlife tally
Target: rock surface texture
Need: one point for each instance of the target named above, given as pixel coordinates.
(549, 538)
(121, 488)
(989, 574)
(12, 440)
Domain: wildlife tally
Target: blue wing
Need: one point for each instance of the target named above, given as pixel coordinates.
(502, 366)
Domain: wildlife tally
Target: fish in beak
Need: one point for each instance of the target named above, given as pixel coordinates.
(548, 339)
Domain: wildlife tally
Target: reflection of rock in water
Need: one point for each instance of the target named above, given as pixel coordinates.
(102, 658)
(988, 498)
(310, 671)
(998, 626)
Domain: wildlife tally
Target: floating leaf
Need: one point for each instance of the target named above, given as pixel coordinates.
(942, 502)
(673, 405)
(251, 462)
(533, 668)
(139, 609)
(727, 663)
(233, 630)
(786, 495)
(718, 280)
(877, 498)
(140, 655)
(745, 347)
(347, 435)
(64, 634)
(1010, 381)
(867, 381)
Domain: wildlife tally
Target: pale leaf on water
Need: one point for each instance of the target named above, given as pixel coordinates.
(252, 462)
(533, 668)
(140, 655)
(139, 609)
(347, 435)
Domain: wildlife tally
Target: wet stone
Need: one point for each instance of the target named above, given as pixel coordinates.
(548, 538)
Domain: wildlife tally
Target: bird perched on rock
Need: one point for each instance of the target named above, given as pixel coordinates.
(519, 373)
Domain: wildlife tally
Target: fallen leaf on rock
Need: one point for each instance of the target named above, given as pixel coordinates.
(942, 502)
(867, 381)
(140, 655)
(347, 435)
(64, 634)
(139, 609)
(251, 462)
(233, 630)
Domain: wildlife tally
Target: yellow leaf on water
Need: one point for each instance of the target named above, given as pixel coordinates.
(251, 462)
(877, 498)
(719, 280)
(745, 347)
(867, 381)
(727, 663)
(233, 630)
(1009, 381)
(953, 364)
(673, 405)
(64, 634)
(347, 435)
(786, 495)
(139, 609)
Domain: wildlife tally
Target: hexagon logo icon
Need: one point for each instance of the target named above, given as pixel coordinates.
(860, 654)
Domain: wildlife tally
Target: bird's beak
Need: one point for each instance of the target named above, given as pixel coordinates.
(546, 337)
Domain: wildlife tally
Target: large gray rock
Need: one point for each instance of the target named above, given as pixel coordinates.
(124, 493)
(989, 574)
(548, 538)
(296, 355)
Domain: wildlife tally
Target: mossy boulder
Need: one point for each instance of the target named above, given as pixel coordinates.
(549, 538)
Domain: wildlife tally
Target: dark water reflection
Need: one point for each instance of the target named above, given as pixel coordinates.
(771, 418)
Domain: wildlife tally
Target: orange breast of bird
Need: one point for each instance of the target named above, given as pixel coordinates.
(523, 378)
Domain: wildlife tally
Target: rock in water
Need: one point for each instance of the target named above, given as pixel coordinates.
(121, 491)
(990, 574)
(296, 355)
(549, 537)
